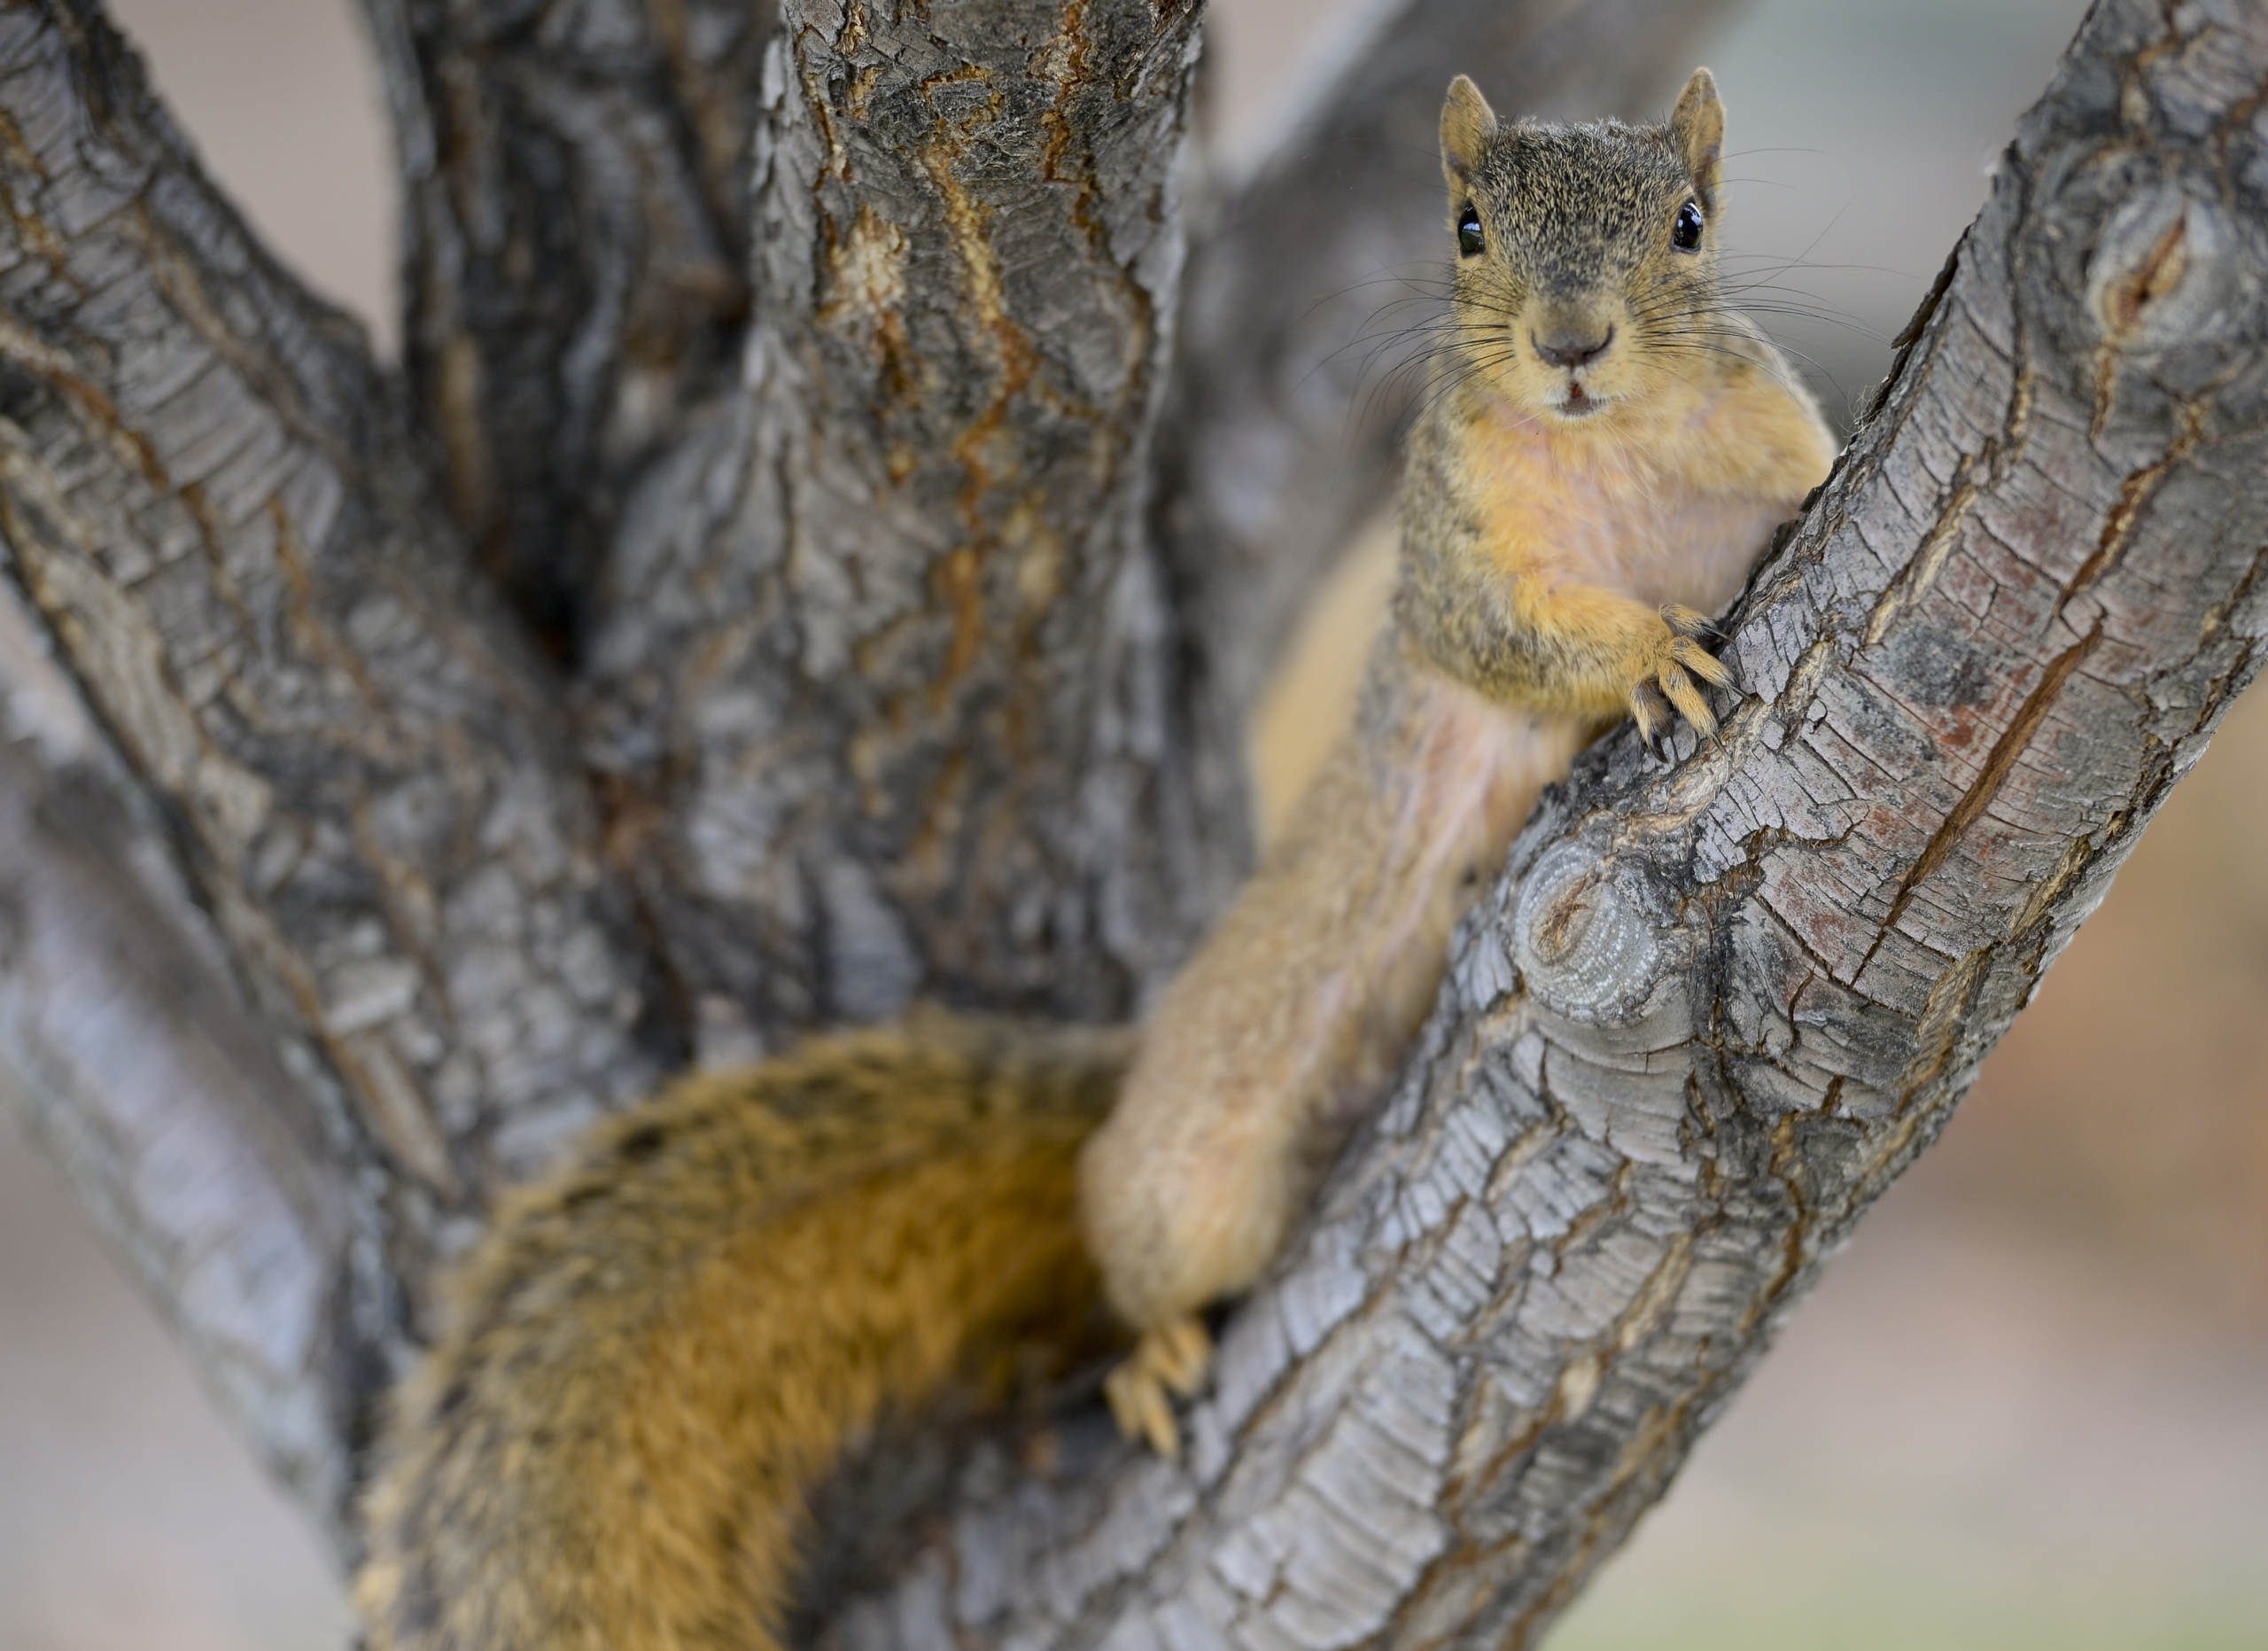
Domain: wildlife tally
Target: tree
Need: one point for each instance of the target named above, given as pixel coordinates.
(794, 576)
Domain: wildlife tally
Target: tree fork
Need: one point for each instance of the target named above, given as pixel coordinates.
(860, 733)
(246, 656)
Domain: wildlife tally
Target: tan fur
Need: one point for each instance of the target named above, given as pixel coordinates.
(1300, 1003)
(655, 1353)
(1564, 531)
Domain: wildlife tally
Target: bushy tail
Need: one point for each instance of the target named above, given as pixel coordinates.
(654, 1354)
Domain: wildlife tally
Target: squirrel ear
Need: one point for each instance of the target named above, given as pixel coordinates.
(1467, 124)
(1697, 129)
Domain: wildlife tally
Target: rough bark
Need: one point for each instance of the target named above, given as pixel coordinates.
(306, 706)
(879, 673)
(575, 229)
(1710, 1012)
(327, 902)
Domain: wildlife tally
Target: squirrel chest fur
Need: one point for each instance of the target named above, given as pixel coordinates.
(656, 1352)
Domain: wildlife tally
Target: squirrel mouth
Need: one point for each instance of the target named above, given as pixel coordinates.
(1578, 402)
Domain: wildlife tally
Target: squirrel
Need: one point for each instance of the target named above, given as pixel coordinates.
(656, 1352)
(1604, 452)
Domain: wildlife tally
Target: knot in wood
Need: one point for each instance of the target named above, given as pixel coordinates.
(2168, 271)
(1583, 941)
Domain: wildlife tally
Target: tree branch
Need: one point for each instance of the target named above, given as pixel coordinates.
(1710, 1012)
(575, 242)
(145, 1075)
(890, 696)
(207, 506)
(883, 680)
(1309, 300)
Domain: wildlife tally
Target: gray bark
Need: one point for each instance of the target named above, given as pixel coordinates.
(912, 518)
(298, 697)
(575, 254)
(879, 671)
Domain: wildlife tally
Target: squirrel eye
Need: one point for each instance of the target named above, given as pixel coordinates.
(1469, 241)
(1685, 234)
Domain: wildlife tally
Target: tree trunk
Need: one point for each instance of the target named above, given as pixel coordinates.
(399, 773)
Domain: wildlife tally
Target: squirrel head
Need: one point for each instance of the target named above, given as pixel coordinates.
(1586, 255)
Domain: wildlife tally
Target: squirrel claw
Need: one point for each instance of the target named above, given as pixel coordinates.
(1183, 1353)
(1673, 682)
(1175, 1356)
(1653, 714)
(1138, 1405)
(1688, 699)
(1692, 657)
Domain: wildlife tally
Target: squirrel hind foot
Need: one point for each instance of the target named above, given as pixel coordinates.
(1175, 1358)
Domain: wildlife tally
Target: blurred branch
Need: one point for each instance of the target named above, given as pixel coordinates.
(144, 1073)
(1711, 1010)
(1307, 309)
(575, 228)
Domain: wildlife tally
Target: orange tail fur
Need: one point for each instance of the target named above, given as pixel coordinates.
(656, 1352)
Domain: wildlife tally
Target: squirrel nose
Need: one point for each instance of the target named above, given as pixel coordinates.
(1567, 349)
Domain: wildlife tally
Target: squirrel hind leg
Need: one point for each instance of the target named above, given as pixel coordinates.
(1176, 1358)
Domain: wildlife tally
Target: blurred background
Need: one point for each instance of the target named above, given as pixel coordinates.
(2027, 1408)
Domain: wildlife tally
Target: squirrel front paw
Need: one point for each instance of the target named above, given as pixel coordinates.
(1664, 688)
(1176, 1356)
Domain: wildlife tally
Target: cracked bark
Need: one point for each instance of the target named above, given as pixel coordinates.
(293, 693)
(327, 902)
(880, 671)
(575, 242)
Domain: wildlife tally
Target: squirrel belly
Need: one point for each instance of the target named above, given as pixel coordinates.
(655, 1353)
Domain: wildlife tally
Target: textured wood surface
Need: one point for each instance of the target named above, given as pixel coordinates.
(880, 671)
(302, 700)
(575, 236)
(820, 553)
